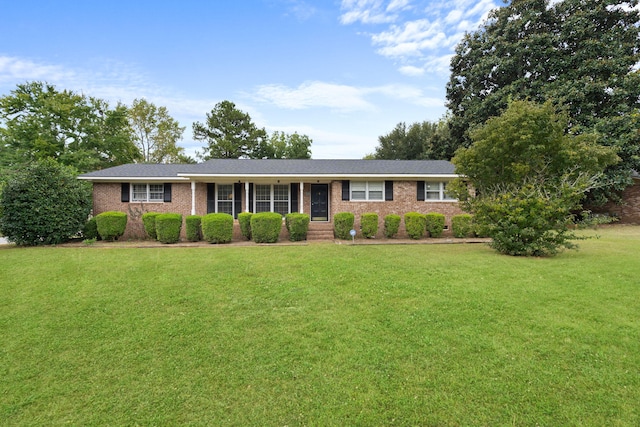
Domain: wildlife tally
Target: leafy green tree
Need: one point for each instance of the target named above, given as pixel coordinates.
(580, 54)
(155, 132)
(229, 133)
(44, 204)
(426, 140)
(284, 146)
(529, 177)
(37, 122)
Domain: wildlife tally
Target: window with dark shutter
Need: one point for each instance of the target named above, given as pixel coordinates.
(211, 197)
(237, 199)
(167, 193)
(124, 192)
(295, 189)
(420, 195)
(250, 197)
(345, 189)
(388, 190)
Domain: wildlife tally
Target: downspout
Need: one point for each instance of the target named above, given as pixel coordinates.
(193, 197)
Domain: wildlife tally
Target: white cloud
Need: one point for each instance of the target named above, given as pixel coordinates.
(369, 11)
(410, 70)
(16, 69)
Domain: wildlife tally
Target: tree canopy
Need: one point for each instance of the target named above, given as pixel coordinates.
(37, 121)
(282, 145)
(229, 133)
(529, 177)
(426, 140)
(155, 132)
(579, 54)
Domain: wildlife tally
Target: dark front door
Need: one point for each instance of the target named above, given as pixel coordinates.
(319, 202)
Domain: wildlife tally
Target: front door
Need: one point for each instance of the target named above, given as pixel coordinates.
(319, 202)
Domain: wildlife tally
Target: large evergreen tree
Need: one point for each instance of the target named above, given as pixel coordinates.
(580, 54)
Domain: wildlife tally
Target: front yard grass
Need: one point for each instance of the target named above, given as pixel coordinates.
(322, 334)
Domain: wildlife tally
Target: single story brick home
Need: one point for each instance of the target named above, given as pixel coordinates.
(320, 188)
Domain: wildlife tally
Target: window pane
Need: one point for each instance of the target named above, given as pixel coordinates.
(281, 207)
(375, 195)
(139, 192)
(358, 190)
(263, 192)
(156, 192)
(225, 207)
(431, 195)
(446, 196)
(281, 192)
(358, 195)
(225, 192)
(263, 207)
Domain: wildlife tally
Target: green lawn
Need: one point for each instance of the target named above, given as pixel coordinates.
(322, 334)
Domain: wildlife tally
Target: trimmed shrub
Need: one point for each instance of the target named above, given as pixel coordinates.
(369, 224)
(111, 224)
(416, 224)
(244, 219)
(192, 228)
(266, 227)
(297, 225)
(168, 226)
(434, 224)
(462, 225)
(149, 223)
(391, 225)
(90, 230)
(343, 224)
(217, 227)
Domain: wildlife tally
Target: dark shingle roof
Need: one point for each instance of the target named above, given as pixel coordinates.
(286, 168)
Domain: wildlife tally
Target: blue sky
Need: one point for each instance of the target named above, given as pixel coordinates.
(342, 72)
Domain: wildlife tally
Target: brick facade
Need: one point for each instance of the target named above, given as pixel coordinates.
(107, 196)
(629, 211)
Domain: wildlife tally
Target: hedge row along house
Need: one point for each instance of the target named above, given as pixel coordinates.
(320, 188)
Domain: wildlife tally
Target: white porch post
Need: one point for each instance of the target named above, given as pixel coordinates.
(301, 197)
(193, 197)
(246, 196)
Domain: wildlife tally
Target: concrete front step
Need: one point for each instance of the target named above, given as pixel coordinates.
(320, 231)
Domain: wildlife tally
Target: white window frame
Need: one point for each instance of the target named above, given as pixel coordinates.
(147, 198)
(367, 191)
(441, 191)
(228, 200)
(272, 201)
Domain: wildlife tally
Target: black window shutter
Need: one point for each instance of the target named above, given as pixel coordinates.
(345, 189)
(295, 189)
(167, 192)
(124, 192)
(420, 191)
(237, 199)
(250, 197)
(211, 197)
(388, 190)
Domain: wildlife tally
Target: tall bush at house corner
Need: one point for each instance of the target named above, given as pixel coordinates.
(217, 228)
(149, 223)
(193, 228)
(462, 225)
(416, 224)
(298, 225)
(90, 230)
(369, 224)
(44, 204)
(434, 223)
(266, 227)
(111, 224)
(391, 225)
(244, 219)
(343, 224)
(168, 226)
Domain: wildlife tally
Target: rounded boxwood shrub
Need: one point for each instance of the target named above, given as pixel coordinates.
(193, 228)
(111, 224)
(416, 224)
(149, 223)
(434, 224)
(462, 225)
(297, 225)
(217, 227)
(369, 224)
(266, 227)
(168, 226)
(343, 224)
(244, 219)
(391, 225)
